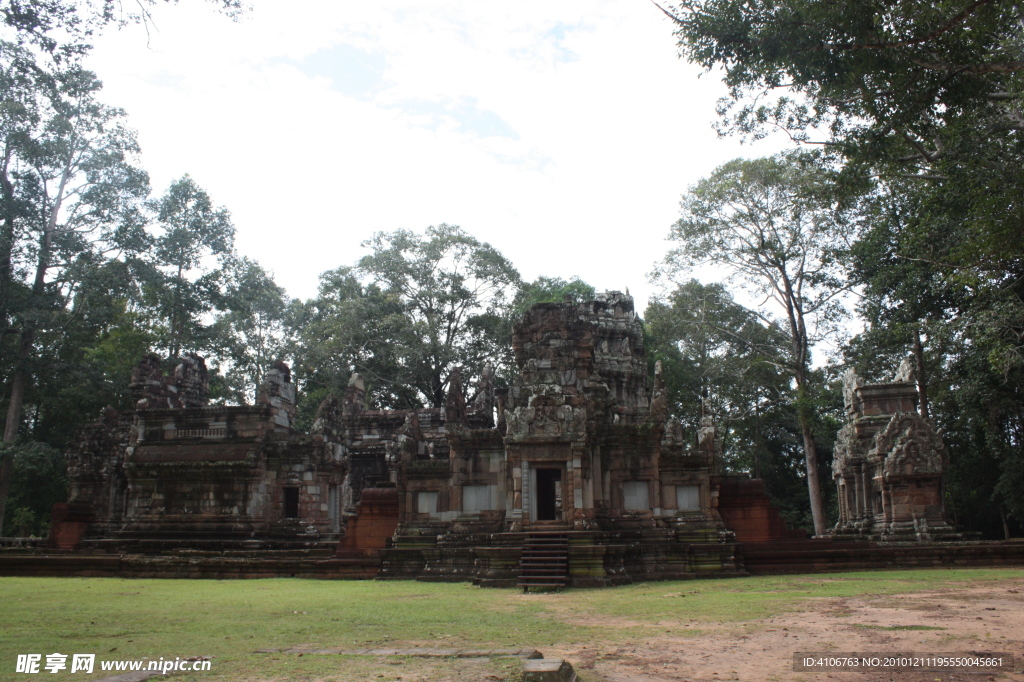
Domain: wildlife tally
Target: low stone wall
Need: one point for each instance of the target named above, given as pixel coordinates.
(826, 556)
(213, 567)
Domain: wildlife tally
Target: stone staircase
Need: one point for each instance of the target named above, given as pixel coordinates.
(544, 561)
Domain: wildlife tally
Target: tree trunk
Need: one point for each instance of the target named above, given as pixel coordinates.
(18, 381)
(811, 462)
(20, 376)
(801, 351)
(6, 472)
(922, 380)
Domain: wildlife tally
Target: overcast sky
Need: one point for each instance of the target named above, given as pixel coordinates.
(562, 132)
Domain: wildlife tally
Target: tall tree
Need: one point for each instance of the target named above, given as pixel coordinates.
(454, 291)
(251, 325)
(776, 227)
(351, 326)
(551, 290)
(71, 192)
(194, 242)
(412, 310)
(721, 358)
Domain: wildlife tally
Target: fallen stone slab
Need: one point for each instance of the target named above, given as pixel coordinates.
(549, 670)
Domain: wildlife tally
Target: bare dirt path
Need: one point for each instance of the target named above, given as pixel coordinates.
(947, 621)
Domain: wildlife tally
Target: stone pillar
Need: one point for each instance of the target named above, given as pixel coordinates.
(525, 491)
(856, 492)
(869, 503)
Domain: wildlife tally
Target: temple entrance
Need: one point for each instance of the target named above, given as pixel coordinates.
(549, 494)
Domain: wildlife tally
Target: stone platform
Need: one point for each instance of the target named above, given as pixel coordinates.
(596, 558)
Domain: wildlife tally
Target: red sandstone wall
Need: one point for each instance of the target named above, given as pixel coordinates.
(68, 521)
(375, 522)
(748, 511)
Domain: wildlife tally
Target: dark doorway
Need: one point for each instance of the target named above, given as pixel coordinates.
(291, 502)
(549, 494)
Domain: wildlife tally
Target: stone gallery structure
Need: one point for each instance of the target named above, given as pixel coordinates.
(176, 472)
(573, 475)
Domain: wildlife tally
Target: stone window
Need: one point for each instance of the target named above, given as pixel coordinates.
(688, 497)
(477, 498)
(635, 496)
(426, 503)
(290, 496)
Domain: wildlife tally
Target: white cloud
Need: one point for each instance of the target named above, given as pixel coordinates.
(563, 133)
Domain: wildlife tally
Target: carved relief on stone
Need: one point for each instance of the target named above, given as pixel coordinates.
(190, 377)
(659, 398)
(709, 443)
(845, 448)
(355, 394)
(851, 382)
(909, 446)
(455, 402)
(906, 373)
(278, 391)
(483, 401)
(325, 421)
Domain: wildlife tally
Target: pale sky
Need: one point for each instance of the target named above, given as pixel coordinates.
(562, 132)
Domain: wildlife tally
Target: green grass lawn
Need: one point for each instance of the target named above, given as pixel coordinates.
(229, 620)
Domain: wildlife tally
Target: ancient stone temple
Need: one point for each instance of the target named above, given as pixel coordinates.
(573, 475)
(177, 473)
(574, 461)
(888, 465)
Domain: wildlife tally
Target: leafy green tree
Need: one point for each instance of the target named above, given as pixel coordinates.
(71, 196)
(925, 96)
(551, 290)
(454, 292)
(251, 325)
(896, 81)
(351, 326)
(716, 354)
(779, 229)
(194, 242)
(39, 479)
(407, 314)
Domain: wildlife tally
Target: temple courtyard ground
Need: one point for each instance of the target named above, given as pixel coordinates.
(734, 629)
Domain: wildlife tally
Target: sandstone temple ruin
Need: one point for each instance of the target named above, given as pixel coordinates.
(888, 464)
(572, 475)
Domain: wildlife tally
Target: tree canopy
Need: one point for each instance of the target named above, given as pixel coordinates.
(919, 104)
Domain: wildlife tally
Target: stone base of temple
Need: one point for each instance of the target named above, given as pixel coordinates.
(595, 558)
(189, 564)
(917, 530)
(495, 565)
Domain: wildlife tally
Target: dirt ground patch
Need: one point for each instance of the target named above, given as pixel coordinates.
(947, 622)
